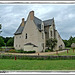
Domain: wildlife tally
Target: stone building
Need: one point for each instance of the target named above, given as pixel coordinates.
(33, 33)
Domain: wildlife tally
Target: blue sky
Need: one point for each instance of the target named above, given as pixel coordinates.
(64, 15)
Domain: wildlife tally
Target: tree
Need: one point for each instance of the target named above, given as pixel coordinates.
(6, 39)
(51, 43)
(69, 42)
(0, 28)
(1, 42)
(10, 42)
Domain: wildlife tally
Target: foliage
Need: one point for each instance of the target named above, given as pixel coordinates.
(2, 42)
(69, 41)
(12, 51)
(51, 43)
(20, 51)
(6, 39)
(0, 28)
(46, 50)
(33, 57)
(10, 42)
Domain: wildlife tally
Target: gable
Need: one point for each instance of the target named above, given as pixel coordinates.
(37, 22)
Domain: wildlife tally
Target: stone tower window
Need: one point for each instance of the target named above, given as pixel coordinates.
(26, 36)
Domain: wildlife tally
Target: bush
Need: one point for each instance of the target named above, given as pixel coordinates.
(12, 51)
(46, 50)
(22, 51)
(37, 57)
(30, 51)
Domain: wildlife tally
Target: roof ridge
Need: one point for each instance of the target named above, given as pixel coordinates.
(48, 19)
(37, 18)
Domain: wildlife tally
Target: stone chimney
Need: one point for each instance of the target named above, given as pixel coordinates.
(31, 15)
(22, 24)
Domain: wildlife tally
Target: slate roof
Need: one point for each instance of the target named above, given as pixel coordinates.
(31, 44)
(48, 22)
(38, 22)
(20, 29)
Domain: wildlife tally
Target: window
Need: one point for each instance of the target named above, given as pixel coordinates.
(16, 37)
(51, 33)
(26, 36)
(19, 45)
(16, 45)
(20, 36)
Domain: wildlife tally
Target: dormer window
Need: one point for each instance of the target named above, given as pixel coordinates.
(26, 36)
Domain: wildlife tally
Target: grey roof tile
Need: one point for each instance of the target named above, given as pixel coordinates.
(20, 29)
(38, 22)
(48, 22)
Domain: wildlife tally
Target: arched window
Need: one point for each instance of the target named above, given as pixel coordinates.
(26, 36)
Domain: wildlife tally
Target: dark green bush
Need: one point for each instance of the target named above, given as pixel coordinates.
(22, 51)
(30, 51)
(46, 50)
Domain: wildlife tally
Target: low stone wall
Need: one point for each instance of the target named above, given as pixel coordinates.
(37, 57)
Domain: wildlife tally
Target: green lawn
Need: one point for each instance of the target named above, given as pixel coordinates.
(70, 52)
(10, 64)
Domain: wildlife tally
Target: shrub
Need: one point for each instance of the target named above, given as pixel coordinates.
(12, 51)
(46, 50)
(30, 51)
(22, 51)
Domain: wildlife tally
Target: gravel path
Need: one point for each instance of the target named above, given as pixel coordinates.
(45, 53)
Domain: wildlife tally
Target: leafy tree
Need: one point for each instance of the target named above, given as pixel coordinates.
(6, 39)
(69, 41)
(51, 43)
(1, 42)
(10, 42)
(0, 28)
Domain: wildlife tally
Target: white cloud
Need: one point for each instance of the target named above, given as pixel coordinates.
(64, 16)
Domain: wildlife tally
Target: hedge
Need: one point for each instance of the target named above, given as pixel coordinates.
(20, 51)
(25, 57)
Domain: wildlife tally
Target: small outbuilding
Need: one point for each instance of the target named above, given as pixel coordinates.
(30, 47)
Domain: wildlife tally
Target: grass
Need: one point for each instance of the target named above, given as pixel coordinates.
(70, 52)
(10, 64)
